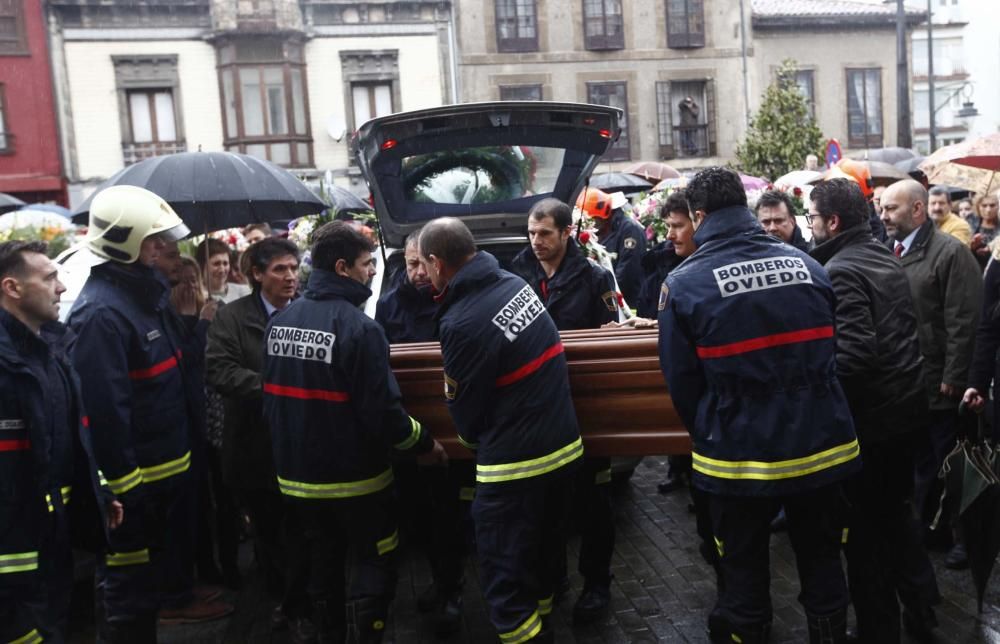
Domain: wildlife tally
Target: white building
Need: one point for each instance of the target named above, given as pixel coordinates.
(286, 80)
(966, 60)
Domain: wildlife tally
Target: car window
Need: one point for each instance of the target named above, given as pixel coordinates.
(481, 175)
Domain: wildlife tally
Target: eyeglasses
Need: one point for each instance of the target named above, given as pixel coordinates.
(810, 216)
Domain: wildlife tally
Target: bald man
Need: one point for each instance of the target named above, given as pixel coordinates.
(946, 285)
(507, 387)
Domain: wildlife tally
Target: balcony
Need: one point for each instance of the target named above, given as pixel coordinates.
(691, 141)
(136, 152)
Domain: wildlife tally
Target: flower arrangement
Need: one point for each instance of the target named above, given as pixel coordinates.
(233, 237)
(647, 210)
(59, 238)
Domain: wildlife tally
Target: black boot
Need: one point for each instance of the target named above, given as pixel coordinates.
(132, 631)
(592, 604)
(365, 620)
(831, 629)
(328, 620)
(448, 619)
(721, 631)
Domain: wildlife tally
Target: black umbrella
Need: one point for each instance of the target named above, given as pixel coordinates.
(972, 481)
(887, 155)
(343, 200)
(9, 203)
(619, 182)
(216, 190)
(909, 166)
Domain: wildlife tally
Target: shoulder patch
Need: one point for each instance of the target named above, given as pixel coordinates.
(629, 243)
(664, 293)
(609, 301)
(153, 335)
(450, 387)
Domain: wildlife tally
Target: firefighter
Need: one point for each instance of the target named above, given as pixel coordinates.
(407, 313)
(140, 416)
(333, 407)
(747, 348)
(507, 388)
(578, 294)
(45, 453)
(622, 236)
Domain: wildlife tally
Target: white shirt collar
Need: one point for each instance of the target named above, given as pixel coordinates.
(908, 240)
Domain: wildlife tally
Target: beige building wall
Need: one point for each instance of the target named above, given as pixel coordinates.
(420, 83)
(93, 96)
(563, 65)
(830, 55)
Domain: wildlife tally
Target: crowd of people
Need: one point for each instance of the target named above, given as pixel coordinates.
(190, 400)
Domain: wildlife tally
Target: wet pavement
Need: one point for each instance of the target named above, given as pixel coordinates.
(662, 590)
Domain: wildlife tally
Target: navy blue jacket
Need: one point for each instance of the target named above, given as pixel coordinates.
(406, 313)
(330, 398)
(747, 348)
(46, 457)
(656, 265)
(134, 386)
(579, 295)
(627, 239)
(506, 377)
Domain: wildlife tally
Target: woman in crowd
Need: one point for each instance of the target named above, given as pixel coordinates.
(986, 230)
(213, 257)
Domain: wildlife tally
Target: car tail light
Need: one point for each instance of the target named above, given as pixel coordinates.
(605, 133)
(388, 144)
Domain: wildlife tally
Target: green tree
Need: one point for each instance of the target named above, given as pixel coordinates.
(782, 132)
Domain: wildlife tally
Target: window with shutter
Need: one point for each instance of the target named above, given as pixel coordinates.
(613, 94)
(864, 107)
(685, 24)
(520, 92)
(516, 25)
(603, 25)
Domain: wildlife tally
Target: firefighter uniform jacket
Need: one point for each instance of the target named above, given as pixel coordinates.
(45, 459)
(330, 398)
(627, 240)
(747, 348)
(506, 378)
(579, 295)
(128, 352)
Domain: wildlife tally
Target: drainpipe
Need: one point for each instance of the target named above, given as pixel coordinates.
(743, 55)
(452, 55)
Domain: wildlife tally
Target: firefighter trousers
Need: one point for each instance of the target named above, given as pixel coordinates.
(350, 549)
(741, 529)
(520, 530)
(150, 560)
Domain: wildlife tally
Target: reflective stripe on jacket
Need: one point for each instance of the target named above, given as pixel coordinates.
(747, 348)
(506, 377)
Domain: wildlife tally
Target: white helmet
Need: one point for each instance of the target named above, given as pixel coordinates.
(122, 216)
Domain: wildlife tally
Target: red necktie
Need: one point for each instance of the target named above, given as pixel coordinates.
(899, 249)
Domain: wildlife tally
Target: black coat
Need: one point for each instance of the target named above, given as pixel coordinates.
(985, 368)
(406, 313)
(506, 376)
(627, 240)
(878, 351)
(330, 398)
(579, 295)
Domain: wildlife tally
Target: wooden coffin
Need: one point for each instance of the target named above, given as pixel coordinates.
(620, 397)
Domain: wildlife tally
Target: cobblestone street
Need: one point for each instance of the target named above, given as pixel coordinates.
(661, 593)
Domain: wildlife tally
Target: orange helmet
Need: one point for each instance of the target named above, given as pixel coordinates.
(595, 203)
(858, 172)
